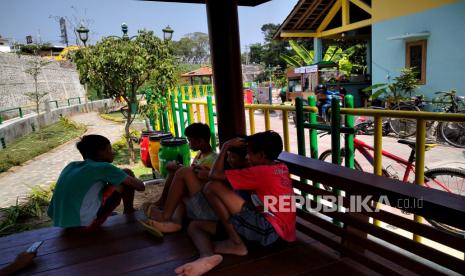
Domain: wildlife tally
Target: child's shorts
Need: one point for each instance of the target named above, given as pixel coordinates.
(253, 226)
(198, 208)
(111, 199)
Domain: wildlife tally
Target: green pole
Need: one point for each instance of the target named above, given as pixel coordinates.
(160, 120)
(211, 121)
(68, 103)
(79, 100)
(188, 108)
(20, 112)
(166, 123)
(335, 131)
(336, 140)
(349, 138)
(300, 126)
(175, 119)
(313, 134)
(181, 115)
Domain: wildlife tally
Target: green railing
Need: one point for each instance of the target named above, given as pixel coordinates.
(56, 103)
(20, 111)
(70, 99)
(21, 108)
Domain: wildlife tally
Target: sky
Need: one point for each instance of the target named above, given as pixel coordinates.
(20, 18)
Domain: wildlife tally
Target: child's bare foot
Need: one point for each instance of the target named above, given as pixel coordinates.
(230, 247)
(165, 226)
(199, 266)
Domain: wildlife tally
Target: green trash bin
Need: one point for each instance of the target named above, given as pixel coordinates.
(175, 148)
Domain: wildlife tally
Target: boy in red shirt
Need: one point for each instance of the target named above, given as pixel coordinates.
(265, 178)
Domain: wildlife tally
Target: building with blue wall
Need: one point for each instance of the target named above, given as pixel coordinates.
(441, 29)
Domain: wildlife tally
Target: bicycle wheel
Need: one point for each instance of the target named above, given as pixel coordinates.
(453, 133)
(449, 180)
(326, 156)
(404, 127)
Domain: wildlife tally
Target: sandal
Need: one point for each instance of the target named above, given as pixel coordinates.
(152, 230)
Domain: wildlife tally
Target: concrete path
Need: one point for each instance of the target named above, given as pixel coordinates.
(44, 169)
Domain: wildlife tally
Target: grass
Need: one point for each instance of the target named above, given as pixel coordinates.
(29, 215)
(118, 117)
(120, 149)
(36, 143)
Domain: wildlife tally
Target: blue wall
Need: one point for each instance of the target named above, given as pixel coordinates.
(445, 60)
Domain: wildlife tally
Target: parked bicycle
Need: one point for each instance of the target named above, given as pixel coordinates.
(452, 132)
(402, 127)
(451, 180)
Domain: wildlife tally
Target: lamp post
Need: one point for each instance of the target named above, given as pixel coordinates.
(83, 33)
(84, 36)
(167, 33)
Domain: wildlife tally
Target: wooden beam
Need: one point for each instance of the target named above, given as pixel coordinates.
(345, 12)
(291, 34)
(350, 27)
(332, 12)
(362, 5)
(307, 12)
(226, 64)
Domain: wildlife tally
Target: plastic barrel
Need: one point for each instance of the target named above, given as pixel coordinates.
(154, 147)
(173, 149)
(144, 147)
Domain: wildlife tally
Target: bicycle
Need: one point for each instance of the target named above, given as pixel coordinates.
(434, 178)
(453, 132)
(404, 128)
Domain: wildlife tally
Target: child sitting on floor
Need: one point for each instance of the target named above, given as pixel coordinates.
(265, 178)
(88, 191)
(187, 185)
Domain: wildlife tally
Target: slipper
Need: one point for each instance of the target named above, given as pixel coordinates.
(147, 208)
(152, 230)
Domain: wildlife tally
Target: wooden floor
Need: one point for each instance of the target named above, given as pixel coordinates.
(123, 247)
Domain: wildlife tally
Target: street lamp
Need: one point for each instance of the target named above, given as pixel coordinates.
(83, 34)
(167, 33)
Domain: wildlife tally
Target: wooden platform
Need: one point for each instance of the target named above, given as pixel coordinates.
(123, 247)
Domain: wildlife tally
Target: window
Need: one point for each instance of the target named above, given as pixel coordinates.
(416, 57)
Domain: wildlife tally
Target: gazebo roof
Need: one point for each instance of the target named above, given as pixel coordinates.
(325, 18)
(249, 3)
(202, 71)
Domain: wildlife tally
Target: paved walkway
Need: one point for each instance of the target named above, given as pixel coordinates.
(44, 169)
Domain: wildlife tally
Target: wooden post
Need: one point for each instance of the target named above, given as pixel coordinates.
(223, 29)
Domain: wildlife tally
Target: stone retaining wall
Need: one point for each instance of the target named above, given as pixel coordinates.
(59, 79)
(15, 128)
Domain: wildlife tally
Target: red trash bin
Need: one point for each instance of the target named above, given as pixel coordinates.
(248, 96)
(144, 147)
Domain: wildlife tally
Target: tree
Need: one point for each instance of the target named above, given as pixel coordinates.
(193, 48)
(256, 53)
(122, 66)
(34, 68)
(402, 87)
(273, 49)
(333, 53)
